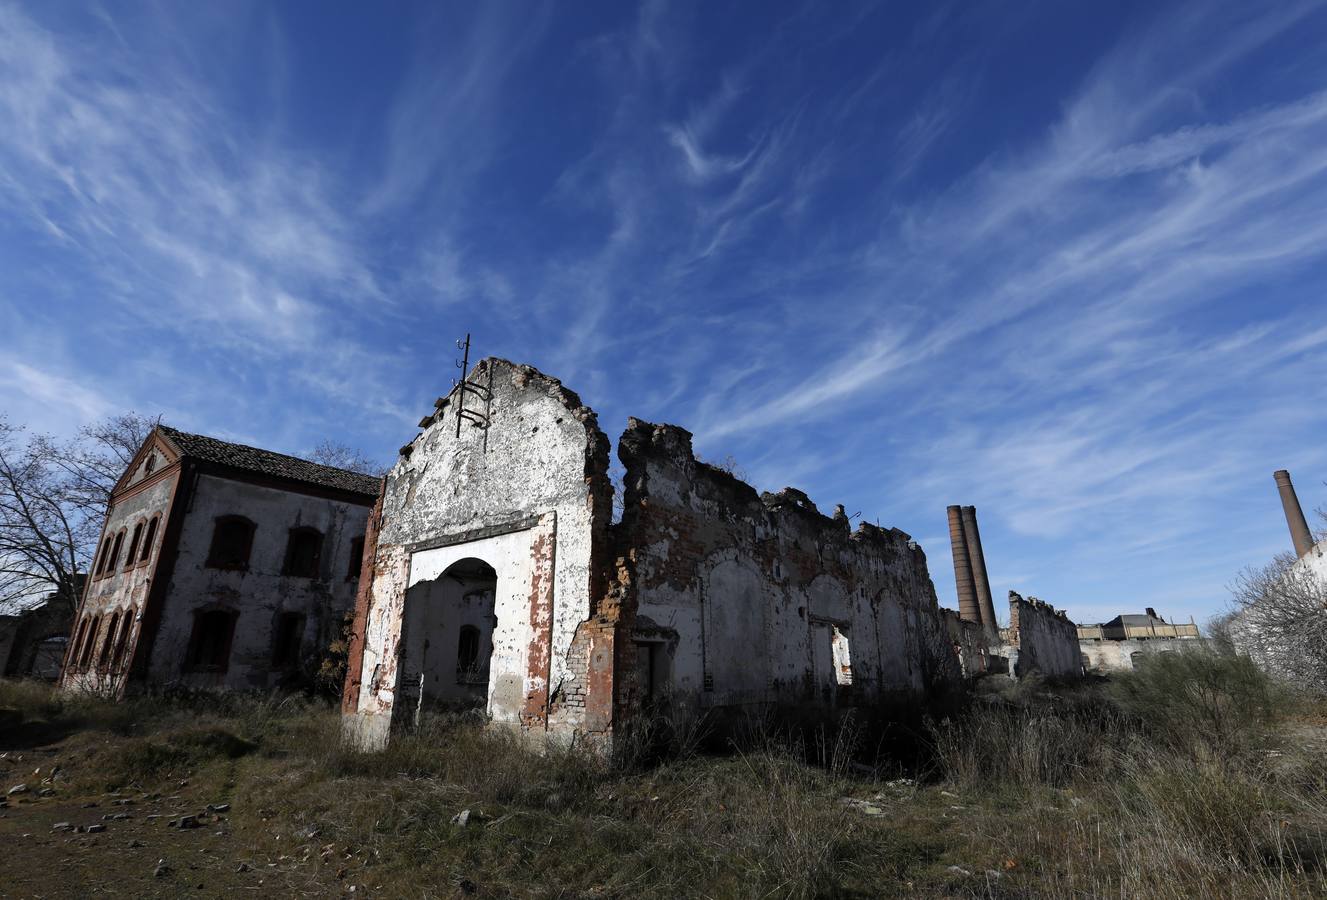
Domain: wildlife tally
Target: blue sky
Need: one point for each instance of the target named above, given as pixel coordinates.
(1064, 262)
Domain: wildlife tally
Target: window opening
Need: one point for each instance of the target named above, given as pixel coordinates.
(149, 538)
(286, 640)
(122, 639)
(108, 645)
(232, 540)
(356, 558)
(302, 551)
(209, 646)
(115, 550)
(86, 654)
(131, 557)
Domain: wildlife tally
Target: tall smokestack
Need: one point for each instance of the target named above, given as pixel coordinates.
(1299, 529)
(967, 588)
(977, 558)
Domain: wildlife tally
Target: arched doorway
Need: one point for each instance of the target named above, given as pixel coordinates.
(448, 640)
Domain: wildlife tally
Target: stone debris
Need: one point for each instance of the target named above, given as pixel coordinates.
(218, 807)
(161, 869)
(95, 829)
(864, 806)
(46, 792)
(462, 818)
(62, 826)
(18, 789)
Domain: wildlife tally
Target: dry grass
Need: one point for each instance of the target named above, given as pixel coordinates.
(1029, 791)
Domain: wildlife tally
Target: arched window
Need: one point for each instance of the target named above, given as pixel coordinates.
(209, 644)
(149, 538)
(286, 640)
(149, 465)
(115, 550)
(104, 556)
(76, 648)
(303, 549)
(467, 651)
(356, 558)
(132, 556)
(85, 655)
(108, 645)
(122, 638)
(232, 539)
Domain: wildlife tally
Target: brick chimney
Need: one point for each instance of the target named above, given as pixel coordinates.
(967, 587)
(977, 559)
(1299, 529)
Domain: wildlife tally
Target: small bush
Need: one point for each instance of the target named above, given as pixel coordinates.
(1200, 698)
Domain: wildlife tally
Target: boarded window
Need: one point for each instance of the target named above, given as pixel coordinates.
(232, 539)
(149, 538)
(302, 551)
(209, 645)
(132, 556)
(356, 558)
(286, 640)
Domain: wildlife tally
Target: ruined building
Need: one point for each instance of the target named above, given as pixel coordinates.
(497, 576)
(1118, 645)
(219, 566)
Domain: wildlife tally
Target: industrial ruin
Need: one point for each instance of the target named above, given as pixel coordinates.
(219, 566)
(495, 574)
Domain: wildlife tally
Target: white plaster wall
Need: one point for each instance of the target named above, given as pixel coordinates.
(510, 555)
(1104, 657)
(262, 592)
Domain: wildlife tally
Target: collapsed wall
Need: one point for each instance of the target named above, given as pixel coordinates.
(739, 598)
(1041, 639)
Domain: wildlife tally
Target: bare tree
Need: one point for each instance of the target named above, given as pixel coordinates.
(94, 460)
(341, 456)
(43, 543)
(1280, 620)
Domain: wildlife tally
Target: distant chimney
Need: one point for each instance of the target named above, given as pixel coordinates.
(1152, 612)
(1299, 529)
(977, 559)
(967, 588)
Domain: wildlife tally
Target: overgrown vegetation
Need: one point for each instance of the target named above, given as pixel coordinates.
(1192, 777)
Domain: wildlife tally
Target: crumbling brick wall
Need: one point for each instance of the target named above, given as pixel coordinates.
(1041, 639)
(761, 599)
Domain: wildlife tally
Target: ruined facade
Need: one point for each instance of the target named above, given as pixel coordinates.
(1117, 645)
(219, 566)
(1040, 638)
(496, 576)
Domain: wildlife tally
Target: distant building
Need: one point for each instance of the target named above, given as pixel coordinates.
(34, 635)
(219, 566)
(1117, 645)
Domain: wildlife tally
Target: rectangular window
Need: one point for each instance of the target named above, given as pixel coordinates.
(209, 645)
(287, 638)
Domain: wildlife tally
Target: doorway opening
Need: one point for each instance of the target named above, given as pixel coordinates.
(448, 640)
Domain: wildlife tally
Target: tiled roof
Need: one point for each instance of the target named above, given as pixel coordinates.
(265, 462)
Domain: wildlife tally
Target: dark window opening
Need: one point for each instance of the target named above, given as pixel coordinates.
(132, 556)
(209, 645)
(90, 642)
(467, 654)
(356, 558)
(232, 539)
(105, 555)
(286, 640)
(115, 551)
(122, 639)
(112, 627)
(302, 552)
(76, 649)
(150, 464)
(149, 538)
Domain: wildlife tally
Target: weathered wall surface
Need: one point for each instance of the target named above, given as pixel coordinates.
(530, 496)
(1042, 639)
(761, 599)
(121, 591)
(1104, 657)
(260, 593)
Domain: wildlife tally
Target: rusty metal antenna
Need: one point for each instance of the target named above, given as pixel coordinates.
(483, 391)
